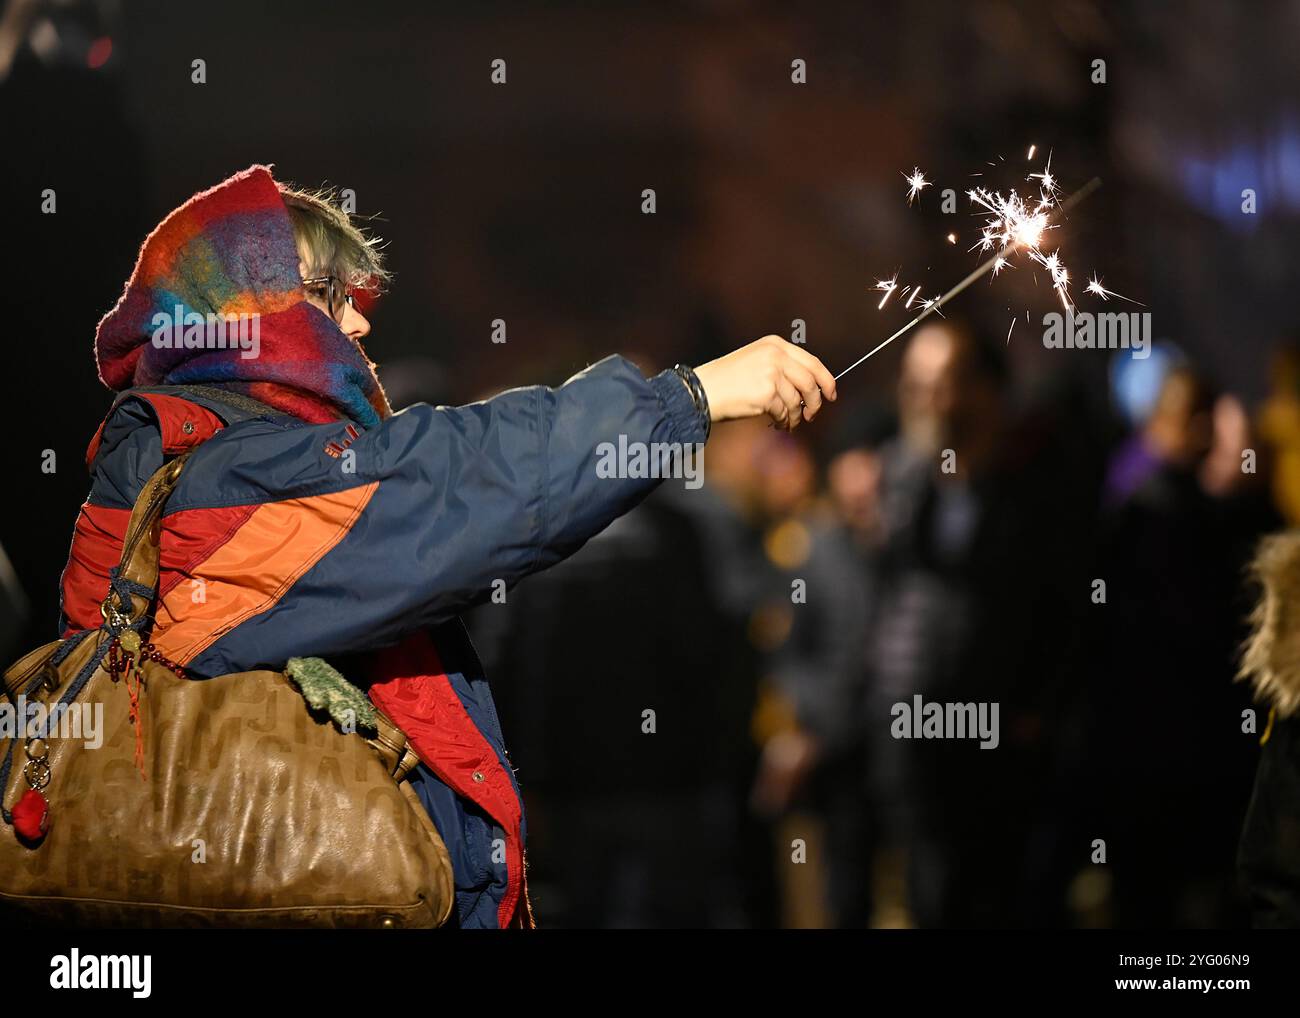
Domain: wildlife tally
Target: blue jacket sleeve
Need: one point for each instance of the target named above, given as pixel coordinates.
(463, 497)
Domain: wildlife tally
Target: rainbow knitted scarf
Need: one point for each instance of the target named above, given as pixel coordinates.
(216, 298)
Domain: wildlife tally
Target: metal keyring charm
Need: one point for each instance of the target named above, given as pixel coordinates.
(37, 773)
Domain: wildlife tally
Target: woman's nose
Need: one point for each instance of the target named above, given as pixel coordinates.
(354, 323)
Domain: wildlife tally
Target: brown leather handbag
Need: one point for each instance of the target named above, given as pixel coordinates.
(246, 809)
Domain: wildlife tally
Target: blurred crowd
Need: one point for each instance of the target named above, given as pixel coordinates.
(701, 698)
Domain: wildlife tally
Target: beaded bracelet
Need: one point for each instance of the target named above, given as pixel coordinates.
(692, 382)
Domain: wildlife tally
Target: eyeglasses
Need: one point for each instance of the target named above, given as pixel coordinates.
(334, 292)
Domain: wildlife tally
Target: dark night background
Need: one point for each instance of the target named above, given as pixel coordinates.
(776, 201)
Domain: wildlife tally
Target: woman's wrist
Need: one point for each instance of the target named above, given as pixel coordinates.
(698, 396)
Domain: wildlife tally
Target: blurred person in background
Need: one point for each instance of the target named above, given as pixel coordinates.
(1135, 390)
(815, 760)
(970, 610)
(1175, 775)
(732, 509)
(1279, 427)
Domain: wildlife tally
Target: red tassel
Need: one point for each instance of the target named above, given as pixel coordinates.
(32, 815)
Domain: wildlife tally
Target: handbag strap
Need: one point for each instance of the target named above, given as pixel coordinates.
(136, 577)
(135, 580)
(132, 585)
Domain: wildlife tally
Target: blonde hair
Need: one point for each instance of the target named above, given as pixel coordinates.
(333, 245)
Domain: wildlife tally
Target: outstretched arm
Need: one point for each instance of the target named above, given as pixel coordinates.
(425, 515)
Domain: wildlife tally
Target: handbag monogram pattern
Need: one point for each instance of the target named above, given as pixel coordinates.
(245, 809)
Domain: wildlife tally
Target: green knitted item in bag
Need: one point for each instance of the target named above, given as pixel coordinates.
(325, 688)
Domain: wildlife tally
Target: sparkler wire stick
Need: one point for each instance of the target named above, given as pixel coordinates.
(975, 274)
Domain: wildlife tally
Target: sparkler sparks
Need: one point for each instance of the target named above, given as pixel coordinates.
(1047, 183)
(1060, 275)
(1012, 223)
(916, 183)
(889, 286)
(1094, 286)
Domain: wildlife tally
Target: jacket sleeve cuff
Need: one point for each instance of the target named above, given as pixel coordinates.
(688, 422)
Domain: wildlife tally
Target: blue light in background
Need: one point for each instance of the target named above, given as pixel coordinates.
(1270, 166)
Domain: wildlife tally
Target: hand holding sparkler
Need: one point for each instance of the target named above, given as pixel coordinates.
(769, 376)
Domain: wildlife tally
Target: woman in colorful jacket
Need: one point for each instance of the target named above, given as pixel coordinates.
(311, 520)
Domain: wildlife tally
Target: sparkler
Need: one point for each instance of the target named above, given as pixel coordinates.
(1012, 223)
(916, 183)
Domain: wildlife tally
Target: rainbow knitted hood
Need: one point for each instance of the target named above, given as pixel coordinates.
(216, 298)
